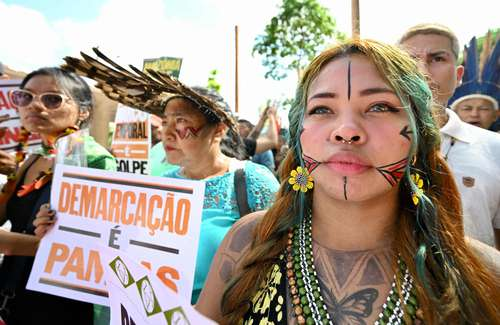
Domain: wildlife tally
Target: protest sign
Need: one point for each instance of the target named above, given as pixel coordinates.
(131, 140)
(165, 64)
(156, 220)
(9, 140)
(138, 297)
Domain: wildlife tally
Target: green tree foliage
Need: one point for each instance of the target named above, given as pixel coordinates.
(212, 82)
(295, 36)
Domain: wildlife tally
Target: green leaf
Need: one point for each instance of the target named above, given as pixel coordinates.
(294, 36)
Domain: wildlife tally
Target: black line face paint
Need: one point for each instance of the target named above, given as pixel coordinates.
(349, 81)
(310, 163)
(345, 188)
(405, 132)
(393, 172)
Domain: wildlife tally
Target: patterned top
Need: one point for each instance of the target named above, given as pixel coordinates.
(268, 305)
(220, 210)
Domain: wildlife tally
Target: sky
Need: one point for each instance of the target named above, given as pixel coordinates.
(38, 33)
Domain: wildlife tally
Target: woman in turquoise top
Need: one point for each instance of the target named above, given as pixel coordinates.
(200, 145)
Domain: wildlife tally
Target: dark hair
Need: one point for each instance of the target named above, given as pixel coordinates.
(71, 84)
(247, 122)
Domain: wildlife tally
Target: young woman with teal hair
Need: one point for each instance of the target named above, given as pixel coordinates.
(366, 227)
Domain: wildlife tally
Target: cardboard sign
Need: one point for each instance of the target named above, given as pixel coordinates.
(9, 141)
(131, 140)
(138, 297)
(156, 220)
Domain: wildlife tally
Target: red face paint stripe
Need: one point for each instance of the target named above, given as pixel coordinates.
(310, 163)
(187, 132)
(393, 172)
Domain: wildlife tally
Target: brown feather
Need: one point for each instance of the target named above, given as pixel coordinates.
(145, 91)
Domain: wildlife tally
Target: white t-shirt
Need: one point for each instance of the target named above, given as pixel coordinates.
(473, 155)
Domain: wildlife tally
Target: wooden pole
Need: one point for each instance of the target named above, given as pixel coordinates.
(355, 19)
(236, 102)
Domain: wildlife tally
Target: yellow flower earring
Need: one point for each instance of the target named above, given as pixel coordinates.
(300, 179)
(419, 183)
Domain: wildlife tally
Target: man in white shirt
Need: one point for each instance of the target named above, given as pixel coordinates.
(472, 153)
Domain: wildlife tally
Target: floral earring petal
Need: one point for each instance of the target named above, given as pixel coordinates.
(300, 179)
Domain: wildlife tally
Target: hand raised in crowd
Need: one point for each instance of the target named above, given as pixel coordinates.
(271, 111)
(44, 221)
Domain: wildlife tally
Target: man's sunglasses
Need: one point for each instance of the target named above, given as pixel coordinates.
(23, 98)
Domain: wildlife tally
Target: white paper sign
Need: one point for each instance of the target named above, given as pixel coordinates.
(8, 142)
(155, 220)
(131, 140)
(138, 297)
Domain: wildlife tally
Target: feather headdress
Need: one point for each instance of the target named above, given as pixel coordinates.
(482, 73)
(150, 91)
(145, 91)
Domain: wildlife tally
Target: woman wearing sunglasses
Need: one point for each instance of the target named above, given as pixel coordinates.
(52, 103)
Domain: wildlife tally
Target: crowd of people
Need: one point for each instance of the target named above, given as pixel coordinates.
(379, 204)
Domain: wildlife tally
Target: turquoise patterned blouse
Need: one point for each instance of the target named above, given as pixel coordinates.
(220, 210)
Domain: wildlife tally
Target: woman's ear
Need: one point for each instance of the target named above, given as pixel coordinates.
(82, 117)
(220, 131)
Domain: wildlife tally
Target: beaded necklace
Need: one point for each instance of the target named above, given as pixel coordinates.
(48, 150)
(308, 304)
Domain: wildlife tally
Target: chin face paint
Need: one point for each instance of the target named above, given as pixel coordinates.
(345, 188)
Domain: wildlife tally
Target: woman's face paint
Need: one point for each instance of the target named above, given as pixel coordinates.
(393, 172)
(345, 188)
(185, 134)
(310, 163)
(405, 132)
(366, 109)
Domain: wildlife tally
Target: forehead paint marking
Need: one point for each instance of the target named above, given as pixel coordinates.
(345, 188)
(349, 81)
(406, 133)
(188, 132)
(310, 163)
(393, 172)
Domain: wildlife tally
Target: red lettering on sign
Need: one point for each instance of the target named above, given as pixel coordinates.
(5, 102)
